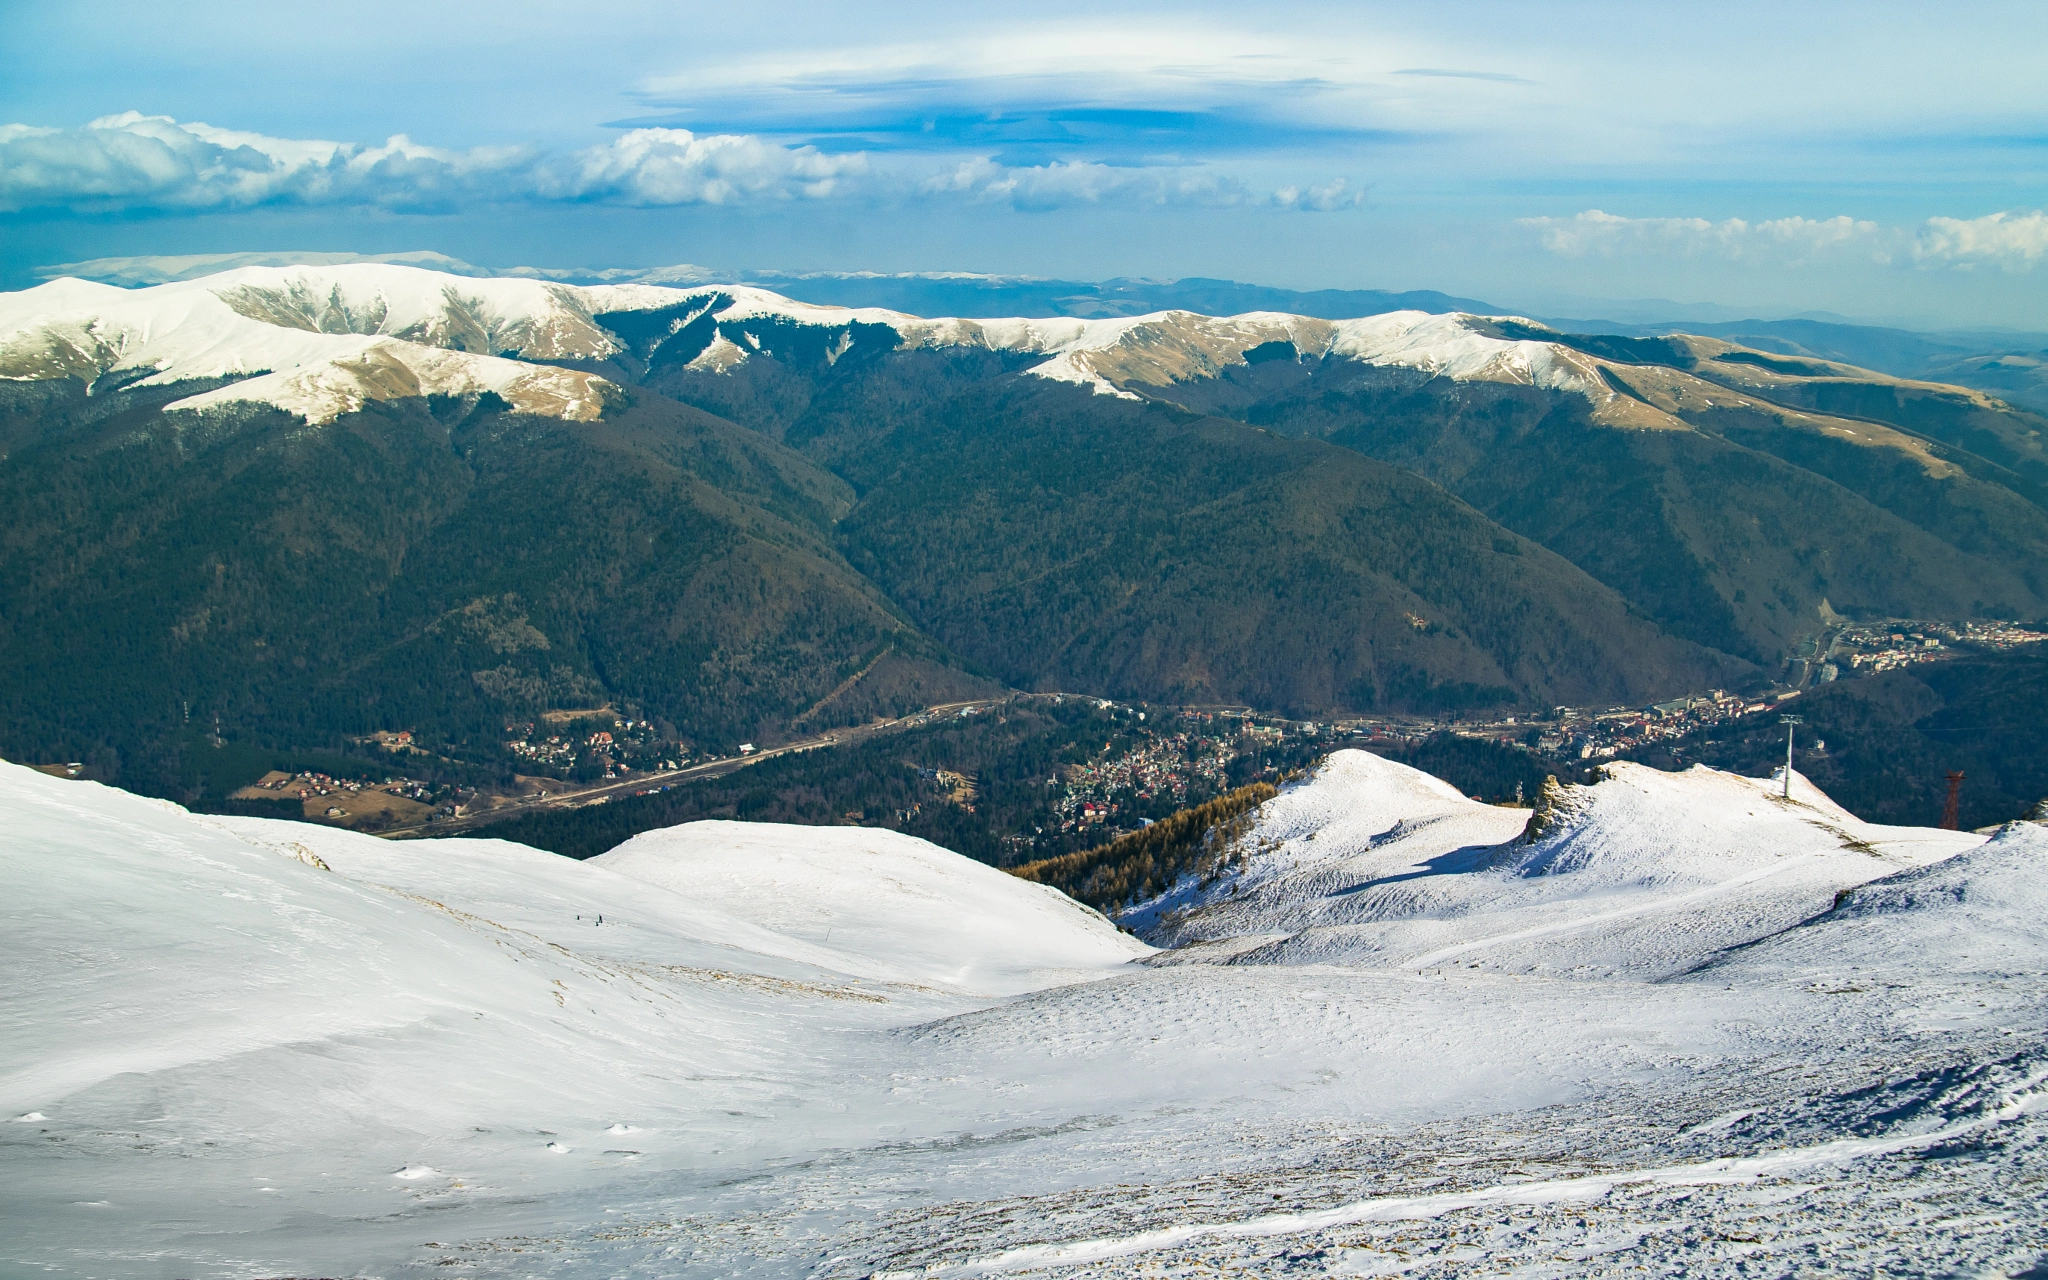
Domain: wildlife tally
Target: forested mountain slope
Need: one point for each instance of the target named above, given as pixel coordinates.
(1073, 541)
(307, 503)
(1718, 532)
(425, 564)
(1720, 492)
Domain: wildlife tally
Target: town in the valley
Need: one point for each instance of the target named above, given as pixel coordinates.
(1154, 760)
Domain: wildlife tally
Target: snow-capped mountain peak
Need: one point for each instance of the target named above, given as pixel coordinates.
(324, 340)
(304, 324)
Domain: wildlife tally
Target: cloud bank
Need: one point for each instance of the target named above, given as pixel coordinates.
(2010, 241)
(2014, 241)
(1597, 232)
(137, 163)
(1062, 184)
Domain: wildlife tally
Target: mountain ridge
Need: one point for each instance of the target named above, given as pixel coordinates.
(1403, 512)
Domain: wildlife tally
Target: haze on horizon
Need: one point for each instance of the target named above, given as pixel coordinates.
(1885, 162)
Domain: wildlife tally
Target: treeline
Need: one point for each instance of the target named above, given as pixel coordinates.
(1134, 867)
(1492, 771)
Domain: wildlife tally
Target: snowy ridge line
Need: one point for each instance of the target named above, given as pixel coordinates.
(393, 369)
(1645, 874)
(309, 328)
(2022, 1099)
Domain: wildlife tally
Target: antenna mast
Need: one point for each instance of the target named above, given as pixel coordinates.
(1788, 722)
(1951, 813)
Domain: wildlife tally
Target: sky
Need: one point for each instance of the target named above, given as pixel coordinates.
(1886, 162)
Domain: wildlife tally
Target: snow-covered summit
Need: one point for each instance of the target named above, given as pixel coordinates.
(880, 904)
(1641, 874)
(328, 338)
(305, 325)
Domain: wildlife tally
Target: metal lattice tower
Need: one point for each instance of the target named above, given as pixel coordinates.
(1951, 813)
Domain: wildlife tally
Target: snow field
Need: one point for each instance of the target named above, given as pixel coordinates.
(425, 1023)
(1643, 875)
(881, 904)
(843, 1052)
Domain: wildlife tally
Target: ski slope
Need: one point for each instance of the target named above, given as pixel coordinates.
(1683, 1027)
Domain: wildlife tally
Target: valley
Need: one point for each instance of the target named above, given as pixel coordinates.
(761, 521)
(1112, 642)
(1097, 770)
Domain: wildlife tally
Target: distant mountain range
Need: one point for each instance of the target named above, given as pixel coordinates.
(2008, 364)
(315, 501)
(955, 293)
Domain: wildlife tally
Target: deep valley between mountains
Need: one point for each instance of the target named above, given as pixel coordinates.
(512, 779)
(747, 519)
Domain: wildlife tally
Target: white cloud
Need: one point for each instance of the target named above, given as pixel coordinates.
(2015, 241)
(1326, 198)
(137, 162)
(1059, 184)
(1049, 186)
(132, 161)
(675, 166)
(1595, 232)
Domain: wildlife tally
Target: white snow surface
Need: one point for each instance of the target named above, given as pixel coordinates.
(332, 335)
(1644, 875)
(881, 904)
(1980, 912)
(329, 337)
(1649, 1041)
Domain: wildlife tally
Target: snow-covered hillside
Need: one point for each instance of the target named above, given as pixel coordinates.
(881, 904)
(1978, 914)
(328, 338)
(332, 336)
(1645, 874)
(239, 1047)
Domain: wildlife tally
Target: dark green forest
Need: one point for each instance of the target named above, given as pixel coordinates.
(421, 565)
(1482, 768)
(1137, 866)
(839, 529)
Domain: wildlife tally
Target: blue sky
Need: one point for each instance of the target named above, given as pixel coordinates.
(1883, 161)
